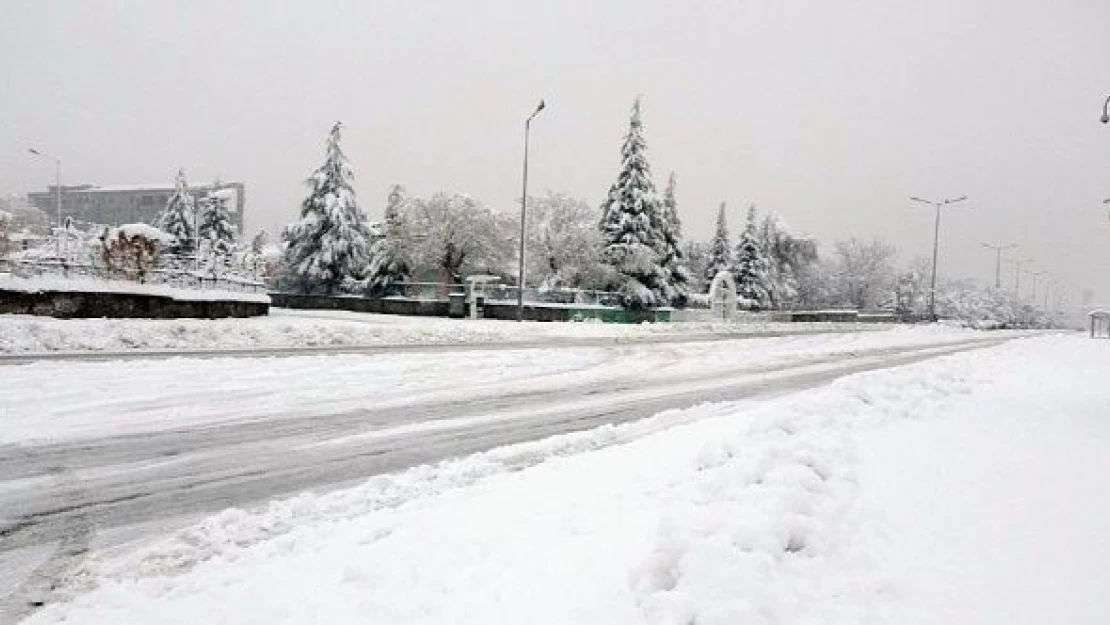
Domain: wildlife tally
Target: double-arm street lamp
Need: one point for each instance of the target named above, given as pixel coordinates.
(1033, 297)
(936, 237)
(999, 249)
(57, 193)
(524, 216)
(1018, 264)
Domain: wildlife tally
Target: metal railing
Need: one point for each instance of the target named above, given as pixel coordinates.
(441, 291)
(172, 277)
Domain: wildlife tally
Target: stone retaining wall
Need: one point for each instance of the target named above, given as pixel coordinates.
(79, 304)
(436, 308)
(388, 305)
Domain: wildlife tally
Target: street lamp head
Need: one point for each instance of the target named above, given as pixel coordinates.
(539, 108)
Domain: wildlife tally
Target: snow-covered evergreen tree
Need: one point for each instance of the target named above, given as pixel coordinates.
(390, 258)
(178, 217)
(752, 271)
(720, 250)
(215, 223)
(330, 243)
(630, 218)
(674, 261)
(7, 222)
(783, 257)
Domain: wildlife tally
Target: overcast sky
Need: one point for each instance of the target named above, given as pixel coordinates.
(829, 113)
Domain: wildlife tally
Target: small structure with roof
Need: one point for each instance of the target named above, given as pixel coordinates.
(1100, 323)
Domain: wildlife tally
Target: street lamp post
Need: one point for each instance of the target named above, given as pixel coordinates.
(1106, 111)
(1033, 297)
(57, 195)
(1018, 264)
(998, 261)
(524, 216)
(936, 239)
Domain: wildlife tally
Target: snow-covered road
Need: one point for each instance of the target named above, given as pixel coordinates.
(95, 447)
(963, 488)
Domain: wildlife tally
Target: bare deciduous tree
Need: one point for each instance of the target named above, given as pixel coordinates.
(564, 245)
(454, 234)
(864, 272)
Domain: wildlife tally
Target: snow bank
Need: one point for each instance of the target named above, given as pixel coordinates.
(995, 512)
(294, 328)
(744, 513)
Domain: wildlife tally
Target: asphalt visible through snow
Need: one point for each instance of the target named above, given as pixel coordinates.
(60, 498)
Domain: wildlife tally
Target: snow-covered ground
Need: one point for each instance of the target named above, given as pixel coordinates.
(54, 400)
(967, 489)
(101, 285)
(291, 328)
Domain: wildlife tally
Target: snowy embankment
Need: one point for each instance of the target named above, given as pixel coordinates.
(289, 328)
(98, 285)
(831, 505)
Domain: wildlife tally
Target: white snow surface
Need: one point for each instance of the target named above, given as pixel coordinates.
(311, 328)
(143, 230)
(38, 284)
(967, 489)
(55, 400)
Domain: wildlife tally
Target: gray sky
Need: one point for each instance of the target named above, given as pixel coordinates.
(829, 113)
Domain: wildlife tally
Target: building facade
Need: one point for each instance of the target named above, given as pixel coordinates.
(89, 204)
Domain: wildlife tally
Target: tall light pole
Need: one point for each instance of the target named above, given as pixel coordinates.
(936, 239)
(1033, 297)
(524, 216)
(57, 194)
(1018, 264)
(998, 261)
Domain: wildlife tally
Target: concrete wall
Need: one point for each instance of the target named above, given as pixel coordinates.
(75, 305)
(815, 315)
(436, 308)
(389, 306)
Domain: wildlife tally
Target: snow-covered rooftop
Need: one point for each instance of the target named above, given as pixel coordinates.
(167, 187)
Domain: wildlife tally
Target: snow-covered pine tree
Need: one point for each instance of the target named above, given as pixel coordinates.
(178, 217)
(215, 222)
(752, 269)
(629, 226)
(674, 261)
(330, 242)
(390, 260)
(720, 250)
(782, 254)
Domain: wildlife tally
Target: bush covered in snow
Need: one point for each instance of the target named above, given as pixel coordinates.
(132, 250)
